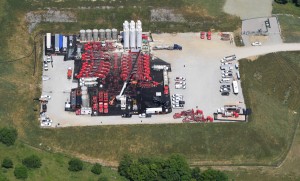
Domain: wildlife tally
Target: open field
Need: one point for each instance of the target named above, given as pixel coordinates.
(196, 15)
(289, 18)
(54, 166)
(249, 9)
(290, 26)
(288, 8)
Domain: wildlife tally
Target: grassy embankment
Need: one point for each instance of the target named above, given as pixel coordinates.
(199, 15)
(264, 84)
(289, 18)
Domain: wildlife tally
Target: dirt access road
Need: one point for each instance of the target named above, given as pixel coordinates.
(246, 9)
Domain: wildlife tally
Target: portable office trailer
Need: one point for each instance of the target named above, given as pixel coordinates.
(57, 42)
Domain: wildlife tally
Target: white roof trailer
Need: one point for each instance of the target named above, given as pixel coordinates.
(235, 87)
(57, 42)
(65, 43)
(48, 40)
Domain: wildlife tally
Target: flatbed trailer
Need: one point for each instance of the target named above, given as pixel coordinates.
(220, 117)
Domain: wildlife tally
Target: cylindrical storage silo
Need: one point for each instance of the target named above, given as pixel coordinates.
(108, 34)
(95, 34)
(114, 34)
(85, 97)
(139, 23)
(101, 34)
(89, 35)
(82, 35)
(126, 35)
(132, 35)
(139, 36)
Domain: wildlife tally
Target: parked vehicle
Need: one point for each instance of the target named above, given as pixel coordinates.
(257, 43)
(226, 71)
(236, 66)
(179, 79)
(208, 35)
(225, 86)
(126, 115)
(225, 80)
(177, 95)
(202, 35)
(229, 75)
(144, 115)
(180, 82)
(225, 93)
(45, 66)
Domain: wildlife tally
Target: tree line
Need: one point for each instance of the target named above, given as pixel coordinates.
(296, 2)
(174, 168)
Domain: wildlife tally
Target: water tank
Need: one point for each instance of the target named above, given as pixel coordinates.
(85, 97)
(126, 35)
(95, 34)
(82, 35)
(132, 35)
(101, 34)
(114, 34)
(108, 34)
(89, 35)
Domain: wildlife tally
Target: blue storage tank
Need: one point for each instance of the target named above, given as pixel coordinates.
(60, 41)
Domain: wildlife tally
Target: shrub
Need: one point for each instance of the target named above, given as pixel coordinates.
(97, 169)
(7, 163)
(8, 136)
(75, 165)
(21, 172)
(32, 161)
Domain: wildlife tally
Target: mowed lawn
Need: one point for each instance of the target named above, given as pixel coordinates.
(271, 87)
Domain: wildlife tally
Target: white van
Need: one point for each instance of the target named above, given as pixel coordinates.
(225, 80)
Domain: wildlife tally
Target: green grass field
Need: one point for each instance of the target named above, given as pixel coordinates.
(289, 21)
(288, 8)
(54, 166)
(290, 27)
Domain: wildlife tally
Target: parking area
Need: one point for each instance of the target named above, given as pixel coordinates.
(265, 30)
(199, 63)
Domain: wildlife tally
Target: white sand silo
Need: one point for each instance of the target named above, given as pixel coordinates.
(82, 35)
(132, 35)
(89, 36)
(108, 34)
(95, 34)
(101, 34)
(126, 35)
(114, 34)
(139, 30)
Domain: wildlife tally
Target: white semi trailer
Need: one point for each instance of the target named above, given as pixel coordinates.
(235, 87)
